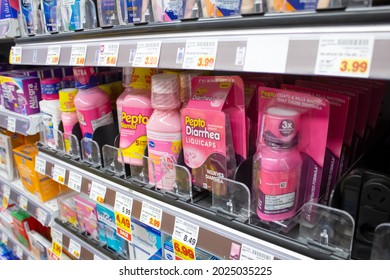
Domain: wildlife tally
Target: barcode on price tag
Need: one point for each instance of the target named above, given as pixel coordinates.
(53, 55)
(108, 54)
(4, 238)
(347, 56)
(42, 216)
(59, 174)
(77, 55)
(56, 242)
(16, 55)
(151, 215)
(200, 54)
(74, 248)
(147, 54)
(74, 181)
(40, 165)
(19, 252)
(23, 202)
(123, 208)
(250, 253)
(98, 192)
(11, 124)
(6, 195)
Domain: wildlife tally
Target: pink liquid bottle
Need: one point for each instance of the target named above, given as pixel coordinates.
(135, 113)
(164, 130)
(277, 165)
(92, 104)
(69, 115)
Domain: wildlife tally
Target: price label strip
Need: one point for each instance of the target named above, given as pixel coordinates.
(74, 248)
(74, 181)
(6, 195)
(11, 124)
(23, 202)
(250, 253)
(4, 238)
(98, 192)
(108, 54)
(53, 55)
(151, 215)
(200, 54)
(42, 216)
(147, 54)
(123, 208)
(77, 55)
(16, 55)
(56, 247)
(19, 252)
(40, 165)
(347, 56)
(59, 174)
(184, 239)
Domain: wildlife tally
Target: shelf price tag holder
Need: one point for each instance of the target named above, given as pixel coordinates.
(19, 252)
(151, 215)
(123, 208)
(108, 54)
(74, 248)
(6, 195)
(98, 192)
(345, 55)
(77, 55)
(40, 165)
(200, 54)
(11, 124)
(4, 238)
(23, 202)
(250, 253)
(184, 239)
(59, 174)
(41, 216)
(53, 55)
(74, 181)
(147, 54)
(16, 55)
(56, 246)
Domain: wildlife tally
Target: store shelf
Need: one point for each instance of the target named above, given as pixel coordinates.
(43, 212)
(14, 245)
(216, 233)
(25, 125)
(274, 43)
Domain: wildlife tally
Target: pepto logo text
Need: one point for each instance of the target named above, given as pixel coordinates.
(132, 121)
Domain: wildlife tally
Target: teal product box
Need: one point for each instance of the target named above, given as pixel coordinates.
(200, 254)
(146, 241)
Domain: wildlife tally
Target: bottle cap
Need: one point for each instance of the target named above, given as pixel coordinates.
(165, 92)
(50, 88)
(67, 96)
(85, 77)
(141, 78)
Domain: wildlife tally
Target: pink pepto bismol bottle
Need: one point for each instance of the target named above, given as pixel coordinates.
(277, 165)
(92, 104)
(164, 130)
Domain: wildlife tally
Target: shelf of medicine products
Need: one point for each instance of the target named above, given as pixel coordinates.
(44, 212)
(21, 251)
(286, 43)
(216, 234)
(14, 122)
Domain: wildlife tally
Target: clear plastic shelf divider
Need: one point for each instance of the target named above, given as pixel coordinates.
(59, 141)
(113, 161)
(145, 173)
(381, 245)
(90, 152)
(231, 198)
(72, 146)
(326, 228)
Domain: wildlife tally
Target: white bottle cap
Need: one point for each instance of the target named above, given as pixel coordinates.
(165, 92)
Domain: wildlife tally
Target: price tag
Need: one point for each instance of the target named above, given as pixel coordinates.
(348, 56)
(11, 124)
(77, 55)
(184, 239)
(108, 54)
(23, 202)
(16, 55)
(42, 216)
(200, 54)
(4, 238)
(59, 174)
(19, 252)
(74, 248)
(40, 165)
(151, 215)
(74, 181)
(98, 192)
(123, 207)
(6, 195)
(147, 54)
(56, 246)
(53, 55)
(250, 253)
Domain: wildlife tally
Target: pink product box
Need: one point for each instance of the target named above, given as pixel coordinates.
(86, 215)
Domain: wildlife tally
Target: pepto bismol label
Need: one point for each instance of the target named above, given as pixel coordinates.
(132, 121)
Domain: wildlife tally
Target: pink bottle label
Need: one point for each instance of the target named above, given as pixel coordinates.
(164, 149)
(277, 191)
(93, 118)
(133, 138)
